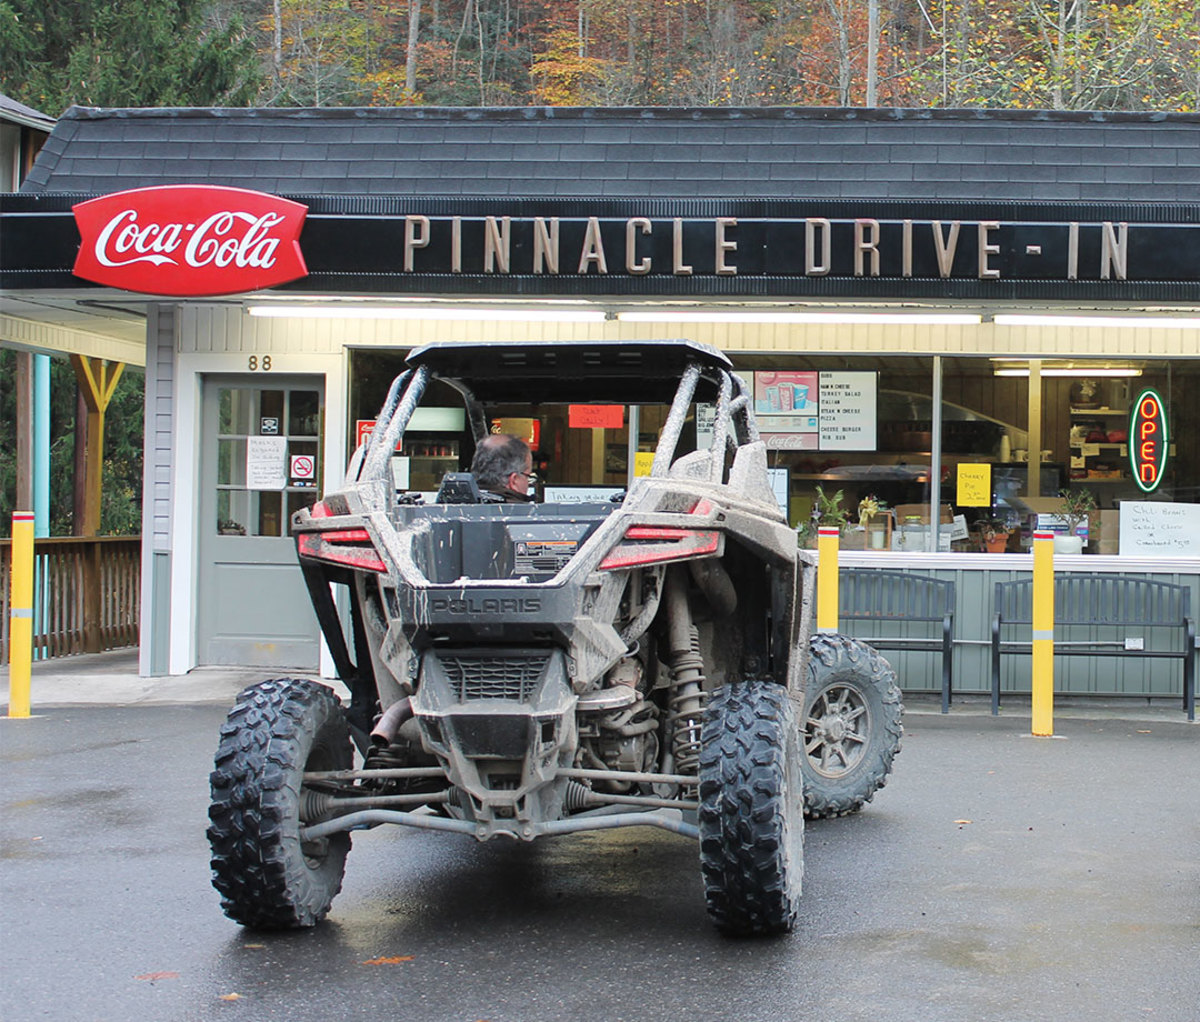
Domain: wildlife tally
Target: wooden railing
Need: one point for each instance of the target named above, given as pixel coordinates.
(87, 594)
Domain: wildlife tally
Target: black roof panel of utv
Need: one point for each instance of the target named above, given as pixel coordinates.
(627, 372)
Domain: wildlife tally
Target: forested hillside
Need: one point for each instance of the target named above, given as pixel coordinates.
(1065, 54)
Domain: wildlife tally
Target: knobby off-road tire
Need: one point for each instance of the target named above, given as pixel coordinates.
(751, 809)
(852, 725)
(267, 878)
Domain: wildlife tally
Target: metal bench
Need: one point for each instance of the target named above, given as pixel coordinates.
(872, 594)
(1101, 601)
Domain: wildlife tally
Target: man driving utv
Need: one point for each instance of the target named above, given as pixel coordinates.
(503, 465)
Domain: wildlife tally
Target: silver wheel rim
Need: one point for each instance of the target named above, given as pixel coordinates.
(836, 731)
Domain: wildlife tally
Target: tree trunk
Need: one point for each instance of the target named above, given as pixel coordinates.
(410, 53)
(277, 42)
(872, 53)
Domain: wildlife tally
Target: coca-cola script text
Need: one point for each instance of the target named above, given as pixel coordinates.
(190, 240)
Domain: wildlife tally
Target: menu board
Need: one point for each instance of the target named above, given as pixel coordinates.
(1155, 528)
(848, 411)
(810, 411)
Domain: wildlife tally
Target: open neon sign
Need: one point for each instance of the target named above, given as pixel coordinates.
(1148, 440)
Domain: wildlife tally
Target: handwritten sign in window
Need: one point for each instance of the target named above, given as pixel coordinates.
(974, 485)
(1152, 528)
(266, 462)
(595, 416)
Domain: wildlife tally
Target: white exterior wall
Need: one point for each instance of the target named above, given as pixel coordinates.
(173, 434)
(186, 342)
(225, 330)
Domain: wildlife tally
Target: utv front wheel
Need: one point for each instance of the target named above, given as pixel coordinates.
(751, 814)
(268, 878)
(852, 725)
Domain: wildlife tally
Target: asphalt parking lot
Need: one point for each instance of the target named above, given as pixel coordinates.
(997, 877)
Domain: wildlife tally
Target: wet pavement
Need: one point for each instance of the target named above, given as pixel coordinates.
(998, 877)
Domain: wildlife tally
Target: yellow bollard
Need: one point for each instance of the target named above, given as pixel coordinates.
(827, 578)
(20, 625)
(1043, 634)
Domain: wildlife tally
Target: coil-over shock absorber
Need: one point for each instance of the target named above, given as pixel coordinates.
(685, 703)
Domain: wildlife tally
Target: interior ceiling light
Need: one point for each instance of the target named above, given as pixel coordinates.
(1081, 371)
(867, 318)
(1113, 322)
(414, 312)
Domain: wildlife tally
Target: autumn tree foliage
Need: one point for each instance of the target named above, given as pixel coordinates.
(1064, 54)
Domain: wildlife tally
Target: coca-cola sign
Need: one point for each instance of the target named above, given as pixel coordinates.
(189, 240)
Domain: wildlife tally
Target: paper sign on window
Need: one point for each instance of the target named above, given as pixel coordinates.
(974, 485)
(595, 416)
(266, 462)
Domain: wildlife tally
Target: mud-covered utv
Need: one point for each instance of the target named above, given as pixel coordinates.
(526, 670)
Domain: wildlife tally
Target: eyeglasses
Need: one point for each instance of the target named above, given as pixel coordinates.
(531, 476)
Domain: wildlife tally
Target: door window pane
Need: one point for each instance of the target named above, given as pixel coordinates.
(297, 500)
(234, 414)
(231, 462)
(303, 464)
(304, 417)
(270, 512)
(233, 512)
(270, 413)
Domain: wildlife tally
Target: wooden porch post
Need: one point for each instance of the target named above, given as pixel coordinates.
(97, 380)
(24, 430)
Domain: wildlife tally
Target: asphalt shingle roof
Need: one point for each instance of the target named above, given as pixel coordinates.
(720, 153)
(12, 112)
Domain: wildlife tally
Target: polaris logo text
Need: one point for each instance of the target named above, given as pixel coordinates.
(487, 605)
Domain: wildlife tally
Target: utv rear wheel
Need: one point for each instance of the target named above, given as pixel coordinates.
(852, 725)
(751, 815)
(268, 878)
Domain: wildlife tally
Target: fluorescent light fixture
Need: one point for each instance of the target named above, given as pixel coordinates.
(1068, 371)
(866, 318)
(440, 313)
(1112, 322)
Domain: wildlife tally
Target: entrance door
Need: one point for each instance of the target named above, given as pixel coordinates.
(260, 461)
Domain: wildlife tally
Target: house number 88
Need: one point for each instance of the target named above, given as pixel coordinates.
(265, 366)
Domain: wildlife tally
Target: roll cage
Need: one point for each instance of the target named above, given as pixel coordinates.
(622, 372)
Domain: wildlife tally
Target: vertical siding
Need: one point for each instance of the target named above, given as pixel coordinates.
(157, 447)
(159, 424)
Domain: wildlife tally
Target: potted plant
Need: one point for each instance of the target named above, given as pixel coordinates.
(993, 535)
(1076, 506)
(827, 511)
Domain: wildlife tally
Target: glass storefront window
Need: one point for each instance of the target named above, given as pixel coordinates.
(1064, 462)
(874, 441)
(855, 438)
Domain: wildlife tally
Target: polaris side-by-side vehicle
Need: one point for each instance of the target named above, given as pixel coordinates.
(527, 670)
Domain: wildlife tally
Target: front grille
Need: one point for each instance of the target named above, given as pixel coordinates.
(494, 677)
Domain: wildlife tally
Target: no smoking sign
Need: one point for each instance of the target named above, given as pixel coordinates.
(304, 468)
